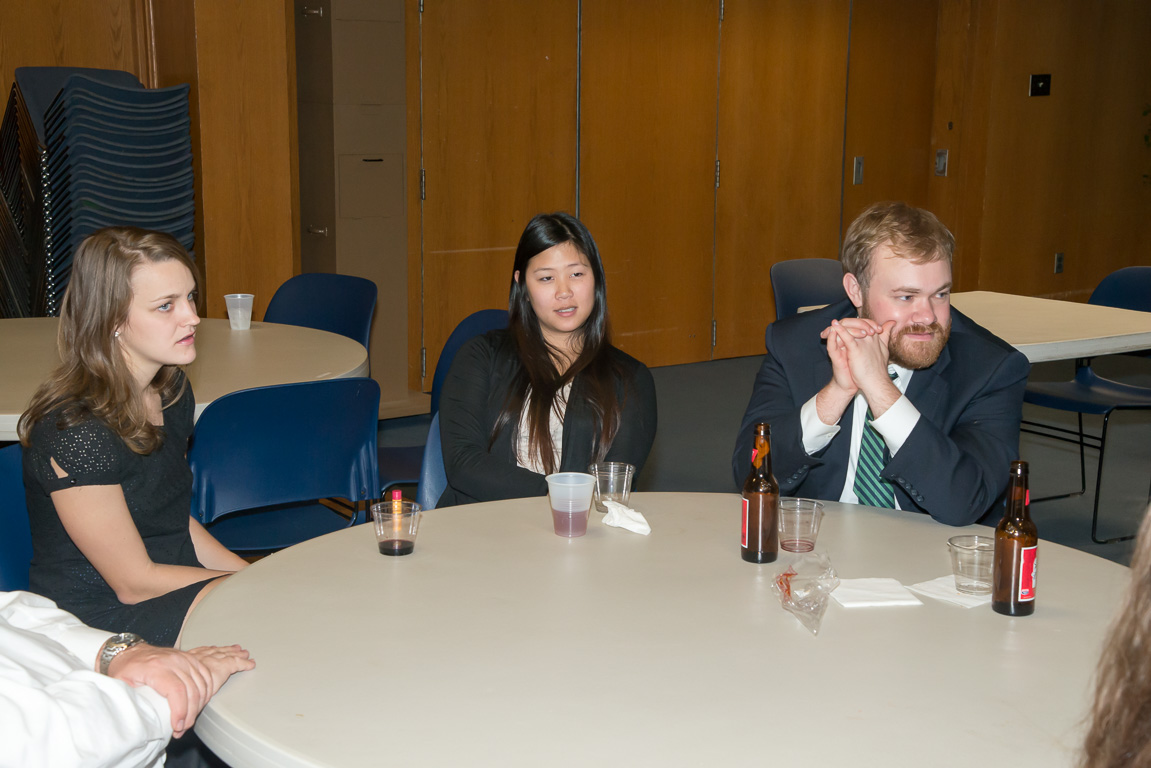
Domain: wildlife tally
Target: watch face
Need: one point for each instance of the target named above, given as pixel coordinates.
(125, 640)
(116, 645)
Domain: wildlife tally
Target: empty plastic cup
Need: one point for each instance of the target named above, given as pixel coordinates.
(239, 310)
(570, 496)
(799, 521)
(971, 559)
(612, 482)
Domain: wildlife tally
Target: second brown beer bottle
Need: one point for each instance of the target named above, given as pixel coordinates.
(760, 540)
(1016, 550)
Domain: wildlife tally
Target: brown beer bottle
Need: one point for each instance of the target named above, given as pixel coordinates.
(760, 540)
(1016, 550)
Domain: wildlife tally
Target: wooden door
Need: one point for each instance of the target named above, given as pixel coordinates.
(891, 91)
(498, 128)
(783, 80)
(647, 168)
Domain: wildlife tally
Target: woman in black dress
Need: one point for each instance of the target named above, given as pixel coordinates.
(550, 393)
(105, 438)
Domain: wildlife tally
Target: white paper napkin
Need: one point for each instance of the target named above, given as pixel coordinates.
(625, 517)
(872, 593)
(944, 589)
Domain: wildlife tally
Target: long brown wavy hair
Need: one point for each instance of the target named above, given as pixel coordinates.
(1120, 733)
(94, 380)
(600, 373)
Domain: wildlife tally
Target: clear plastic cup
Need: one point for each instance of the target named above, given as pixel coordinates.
(239, 310)
(397, 523)
(799, 521)
(971, 559)
(612, 482)
(570, 496)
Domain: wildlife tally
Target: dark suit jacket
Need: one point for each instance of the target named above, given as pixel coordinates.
(955, 461)
(473, 396)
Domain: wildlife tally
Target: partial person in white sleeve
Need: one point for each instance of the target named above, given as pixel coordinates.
(71, 695)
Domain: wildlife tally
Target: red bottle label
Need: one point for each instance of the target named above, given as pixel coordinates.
(743, 536)
(1028, 563)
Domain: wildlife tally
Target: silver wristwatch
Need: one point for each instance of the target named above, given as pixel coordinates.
(114, 646)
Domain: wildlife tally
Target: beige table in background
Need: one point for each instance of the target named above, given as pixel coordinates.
(1047, 329)
(226, 360)
(498, 643)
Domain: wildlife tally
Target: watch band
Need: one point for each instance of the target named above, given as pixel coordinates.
(114, 646)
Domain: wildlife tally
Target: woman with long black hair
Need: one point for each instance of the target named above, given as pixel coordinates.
(550, 393)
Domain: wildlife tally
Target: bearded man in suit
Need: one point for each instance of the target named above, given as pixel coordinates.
(890, 398)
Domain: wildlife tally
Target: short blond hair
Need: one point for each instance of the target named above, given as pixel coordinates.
(911, 233)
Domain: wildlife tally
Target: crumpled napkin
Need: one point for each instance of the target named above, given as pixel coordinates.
(626, 518)
(873, 593)
(803, 588)
(944, 589)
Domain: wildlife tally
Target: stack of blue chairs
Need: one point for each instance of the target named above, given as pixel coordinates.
(95, 149)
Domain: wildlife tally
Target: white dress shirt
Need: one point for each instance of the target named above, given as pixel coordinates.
(893, 426)
(55, 709)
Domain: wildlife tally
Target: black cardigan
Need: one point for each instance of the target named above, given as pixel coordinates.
(473, 397)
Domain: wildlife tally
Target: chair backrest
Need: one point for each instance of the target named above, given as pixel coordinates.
(1127, 288)
(433, 477)
(805, 283)
(473, 325)
(15, 535)
(286, 443)
(340, 304)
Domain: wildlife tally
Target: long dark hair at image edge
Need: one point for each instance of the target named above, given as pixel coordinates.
(1120, 728)
(93, 378)
(537, 369)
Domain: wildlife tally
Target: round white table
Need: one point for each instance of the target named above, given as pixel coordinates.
(226, 360)
(499, 643)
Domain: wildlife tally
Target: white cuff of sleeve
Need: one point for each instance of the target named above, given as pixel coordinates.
(816, 434)
(896, 423)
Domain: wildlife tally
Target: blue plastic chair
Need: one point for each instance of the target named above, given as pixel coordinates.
(433, 476)
(15, 535)
(805, 283)
(340, 304)
(257, 453)
(401, 464)
(1127, 288)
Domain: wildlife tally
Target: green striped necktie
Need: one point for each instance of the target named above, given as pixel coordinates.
(870, 487)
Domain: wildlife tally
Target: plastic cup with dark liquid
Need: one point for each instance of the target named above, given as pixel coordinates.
(397, 522)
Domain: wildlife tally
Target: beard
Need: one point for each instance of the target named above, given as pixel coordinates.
(914, 355)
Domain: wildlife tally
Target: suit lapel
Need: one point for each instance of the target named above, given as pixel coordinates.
(928, 391)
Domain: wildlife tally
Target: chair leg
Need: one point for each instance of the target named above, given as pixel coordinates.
(1082, 458)
(1082, 464)
(1098, 487)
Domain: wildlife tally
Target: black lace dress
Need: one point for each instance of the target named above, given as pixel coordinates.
(158, 489)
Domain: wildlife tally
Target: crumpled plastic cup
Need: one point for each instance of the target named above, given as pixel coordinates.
(805, 587)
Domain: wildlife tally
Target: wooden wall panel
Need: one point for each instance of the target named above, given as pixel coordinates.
(170, 51)
(891, 83)
(247, 104)
(783, 81)
(961, 115)
(1064, 172)
(413, 107)
(55, 33)
(647, 168)
(499, 128)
